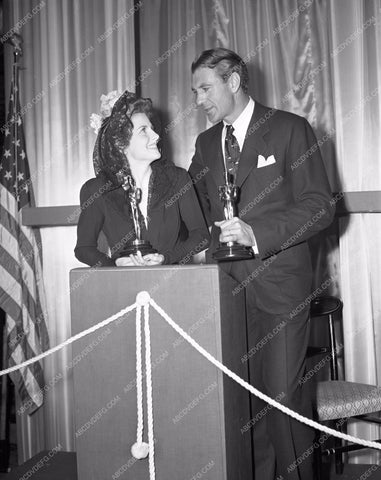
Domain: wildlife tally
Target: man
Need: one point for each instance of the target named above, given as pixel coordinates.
(284, 199)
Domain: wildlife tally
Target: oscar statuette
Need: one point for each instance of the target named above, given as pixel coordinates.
(134, 196)
(231, 250)
(229, 195)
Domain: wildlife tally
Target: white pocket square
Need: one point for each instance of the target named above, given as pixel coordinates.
(265, 162)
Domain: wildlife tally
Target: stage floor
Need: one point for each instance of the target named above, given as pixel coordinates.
(62, 466)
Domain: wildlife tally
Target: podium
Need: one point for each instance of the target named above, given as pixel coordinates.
(198, 411)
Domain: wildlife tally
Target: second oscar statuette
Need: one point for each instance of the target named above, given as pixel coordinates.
(231, 250)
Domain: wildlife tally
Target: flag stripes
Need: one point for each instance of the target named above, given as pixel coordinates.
(21, 286)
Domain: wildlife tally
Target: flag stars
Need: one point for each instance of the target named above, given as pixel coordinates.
(7, 153)
(20, 176)
(17, 142)
(8, 175)
(7, 131)
(22, 154)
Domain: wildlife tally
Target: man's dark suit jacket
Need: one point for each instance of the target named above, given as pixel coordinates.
(284, 196)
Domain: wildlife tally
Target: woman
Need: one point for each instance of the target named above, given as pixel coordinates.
(136, 190)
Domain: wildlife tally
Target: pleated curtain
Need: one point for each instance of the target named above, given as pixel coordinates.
(320, 59)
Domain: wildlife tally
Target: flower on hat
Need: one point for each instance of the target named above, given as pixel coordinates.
(107, 103)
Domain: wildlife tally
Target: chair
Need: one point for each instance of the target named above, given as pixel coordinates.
(338, 400)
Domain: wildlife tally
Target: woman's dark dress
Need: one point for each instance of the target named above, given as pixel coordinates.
(172, 204)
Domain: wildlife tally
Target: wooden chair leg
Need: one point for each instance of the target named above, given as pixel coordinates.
(318, 468)
(339, 462)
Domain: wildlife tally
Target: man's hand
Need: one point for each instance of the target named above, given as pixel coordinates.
(139, 261)
(153, 259)
(235, 230)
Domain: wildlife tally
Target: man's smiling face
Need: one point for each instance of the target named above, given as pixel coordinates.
(212, 94)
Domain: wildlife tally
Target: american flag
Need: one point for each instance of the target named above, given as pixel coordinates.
(21, 284)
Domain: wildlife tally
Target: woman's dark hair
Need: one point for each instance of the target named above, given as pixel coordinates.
(225, 62)
(115, 135)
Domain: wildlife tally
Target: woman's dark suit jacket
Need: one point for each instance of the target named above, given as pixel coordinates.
(172, 205)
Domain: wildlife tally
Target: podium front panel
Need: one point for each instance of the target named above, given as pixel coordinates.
(198, 411)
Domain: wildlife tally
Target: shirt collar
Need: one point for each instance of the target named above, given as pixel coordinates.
(241, 124)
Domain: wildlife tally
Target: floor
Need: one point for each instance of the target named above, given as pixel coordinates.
(351, 472)
(355, 472)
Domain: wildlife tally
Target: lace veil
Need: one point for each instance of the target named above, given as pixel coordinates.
(114, 136)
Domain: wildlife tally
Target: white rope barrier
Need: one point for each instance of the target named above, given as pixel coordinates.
(256, 392)
(145, 299)
(141, 449)
(149, 393)
(70, 340)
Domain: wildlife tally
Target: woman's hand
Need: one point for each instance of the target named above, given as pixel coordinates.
(139, 261)
(124, 262)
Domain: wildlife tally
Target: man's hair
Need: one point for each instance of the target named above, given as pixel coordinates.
(225, 62)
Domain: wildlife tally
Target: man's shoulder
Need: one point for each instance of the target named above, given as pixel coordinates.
(276, 114)
(210, 132)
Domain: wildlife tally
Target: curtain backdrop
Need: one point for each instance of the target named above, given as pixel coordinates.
(287, 48)
(320, 59)
(356, 35)
(74, 51)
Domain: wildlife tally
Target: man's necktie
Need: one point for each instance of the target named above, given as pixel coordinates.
(232, 153)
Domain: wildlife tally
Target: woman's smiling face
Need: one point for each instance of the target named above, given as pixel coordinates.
(143, 142)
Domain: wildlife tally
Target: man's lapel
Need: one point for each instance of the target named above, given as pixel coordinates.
(217, 164)
(254, 144)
